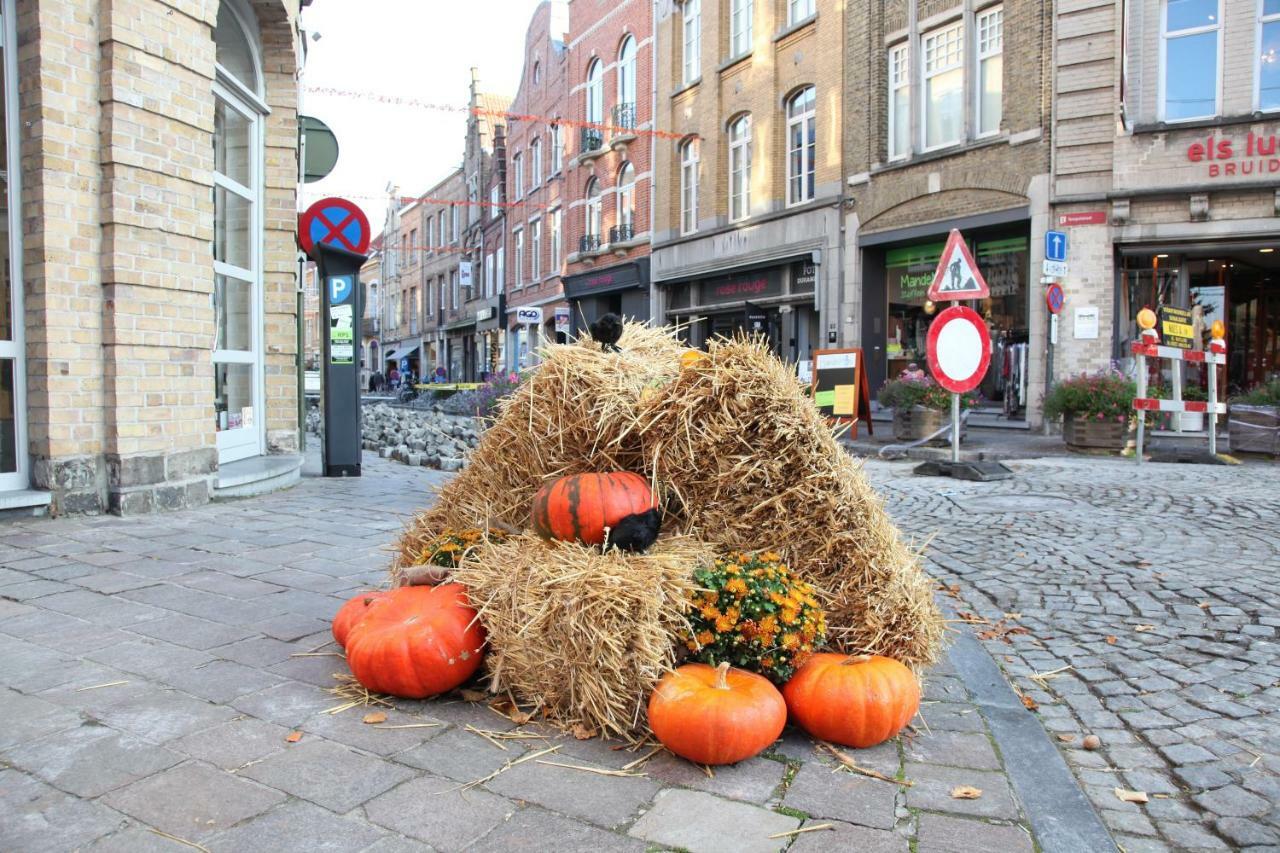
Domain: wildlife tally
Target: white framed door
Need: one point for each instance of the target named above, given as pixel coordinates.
(237, 266)
(14, 461)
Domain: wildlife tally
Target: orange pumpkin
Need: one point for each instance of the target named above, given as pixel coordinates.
(416, 641)
(856, 701)
(581, 506)
(351, 613)
(716, 715)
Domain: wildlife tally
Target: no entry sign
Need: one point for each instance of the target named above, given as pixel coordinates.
(334, 222)
(959, 349)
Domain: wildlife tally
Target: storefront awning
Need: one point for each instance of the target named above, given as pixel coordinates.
(460, 324)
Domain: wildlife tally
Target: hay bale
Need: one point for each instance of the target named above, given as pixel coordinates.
(755, 466)
(581, 635)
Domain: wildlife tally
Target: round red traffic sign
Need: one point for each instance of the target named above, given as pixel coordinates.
(1054, 298)
(334, 222)
(959, 349)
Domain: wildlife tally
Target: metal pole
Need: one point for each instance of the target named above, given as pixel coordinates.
(1212, 414)
(1142, 393)
(955, 428)
(1177, 394)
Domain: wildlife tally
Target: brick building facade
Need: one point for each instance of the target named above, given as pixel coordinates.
(608, 178)
(747, 222)
(536, 188)
(149, 336)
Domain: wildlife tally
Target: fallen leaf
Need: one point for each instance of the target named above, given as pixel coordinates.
(1111, 639)
(1143, 628)
(1066, 738)
(1205, 605)
(971, 618)
(1142, 564)
(1132, 796)
(1013, 616)
(1029, 703)
(521, 717)
(375, 717)
(472, 695)
(294, 737)
(965, 792)
(581, 732)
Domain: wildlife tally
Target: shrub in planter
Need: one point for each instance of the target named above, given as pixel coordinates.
(483, 401)
(1096, 409)
(920, 406)
(1253, 421)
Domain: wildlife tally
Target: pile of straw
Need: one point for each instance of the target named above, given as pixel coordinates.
(754, 466)
(582, 636)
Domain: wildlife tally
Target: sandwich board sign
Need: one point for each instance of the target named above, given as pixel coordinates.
(957, 276)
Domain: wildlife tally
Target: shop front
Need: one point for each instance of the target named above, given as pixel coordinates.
(897, 313)
(490, 345)
(622, 289)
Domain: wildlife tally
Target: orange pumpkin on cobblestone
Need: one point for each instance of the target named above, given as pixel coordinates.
(716, 715)
(580, 506)
(416, 641)
(352, 612)
(857, 701)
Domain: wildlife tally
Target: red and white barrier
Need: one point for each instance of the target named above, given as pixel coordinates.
(1149, 347)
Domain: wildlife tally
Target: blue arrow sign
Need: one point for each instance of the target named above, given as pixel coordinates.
(1055, 246)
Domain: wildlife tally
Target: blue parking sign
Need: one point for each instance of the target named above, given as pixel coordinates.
(1055, 246)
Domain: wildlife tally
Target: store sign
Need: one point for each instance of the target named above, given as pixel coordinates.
(1089, 217)
(529, 316)
(1176, 328)
(744, 286)
(806, 274)
(464, 274)
(484, 313)
(562, 320)
(1224, 157)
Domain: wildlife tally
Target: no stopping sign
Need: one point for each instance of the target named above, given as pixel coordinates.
(959, 349)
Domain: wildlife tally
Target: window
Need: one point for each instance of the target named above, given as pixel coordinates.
(692, 40)
(1188, 51)
(944, 86)
(442, 295)
(413, 310)
(627, 72)
(556, 240)
(1269, 56)
(535, 164)
(591, 217)
(798, 10)
(489, 268)
(495, 201)
(689, 186)
(473, 196)
(626, 203)
(404, 250)
(899, 102)
(517, 254)
(740, 27)
(431, 300)
(990, 90)
(440, 243)
(535, 251)
(740, 169)
(557, 149)
(595, 92)
(537, 73)
(453, 222)
(455, 289)
(517, 173)
(802, 141)
(414, 248)
(499, 280)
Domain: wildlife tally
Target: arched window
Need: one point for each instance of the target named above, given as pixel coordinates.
(625, 229)
(627, 78)
(591, 218)
(689, 153)
(237, 234)
(595, 92)
(537, 73)
(740, 168)
(801, 145)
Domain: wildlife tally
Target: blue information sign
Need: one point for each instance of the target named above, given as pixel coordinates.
(1055, 246)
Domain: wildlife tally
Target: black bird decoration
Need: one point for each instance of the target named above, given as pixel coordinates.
(607, 330)
(635, 533)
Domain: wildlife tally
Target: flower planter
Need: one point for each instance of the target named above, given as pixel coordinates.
(1254, 429)
(1092, 433)
(917, 422)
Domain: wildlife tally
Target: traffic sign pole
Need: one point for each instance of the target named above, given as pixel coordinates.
(955, 429)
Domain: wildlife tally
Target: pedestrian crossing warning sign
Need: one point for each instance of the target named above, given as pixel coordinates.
(957, 277)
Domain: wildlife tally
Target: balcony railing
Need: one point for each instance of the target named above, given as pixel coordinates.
(588, 243)
(592, 140)
(624, 119)
(621, 233)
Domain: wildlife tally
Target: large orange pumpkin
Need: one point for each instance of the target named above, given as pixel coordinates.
(352, 612)
(580, 506)
(855, 701)
(716, 715)
(416, 641)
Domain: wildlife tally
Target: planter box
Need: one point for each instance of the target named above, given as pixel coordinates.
(917, 422)
(1092, 433)
(1254, 429)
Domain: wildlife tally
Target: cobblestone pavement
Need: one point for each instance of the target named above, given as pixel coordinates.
(149, 678)
(1153, 597)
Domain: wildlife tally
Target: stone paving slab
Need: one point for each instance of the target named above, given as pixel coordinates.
(161, 698)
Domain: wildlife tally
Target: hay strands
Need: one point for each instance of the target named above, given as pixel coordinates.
(644, 759)
(496, 738)
(599, 771)
(504, 768)
(803, 830)
(355, 694)
(850, 764)
(175, 838)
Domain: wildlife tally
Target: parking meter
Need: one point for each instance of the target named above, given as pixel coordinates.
(341, 306)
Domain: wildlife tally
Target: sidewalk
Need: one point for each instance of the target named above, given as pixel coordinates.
(152, 668)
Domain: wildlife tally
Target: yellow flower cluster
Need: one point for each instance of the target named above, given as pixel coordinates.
(754, 613)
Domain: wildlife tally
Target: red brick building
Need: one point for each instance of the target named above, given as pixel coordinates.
(535, 176)
(608, 181)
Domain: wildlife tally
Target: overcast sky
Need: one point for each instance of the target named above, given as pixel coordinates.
(404, 49)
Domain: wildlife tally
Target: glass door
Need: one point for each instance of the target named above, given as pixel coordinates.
(13, 444)
(237, 362)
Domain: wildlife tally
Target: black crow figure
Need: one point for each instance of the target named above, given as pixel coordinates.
(635, 533)
(607, 330)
